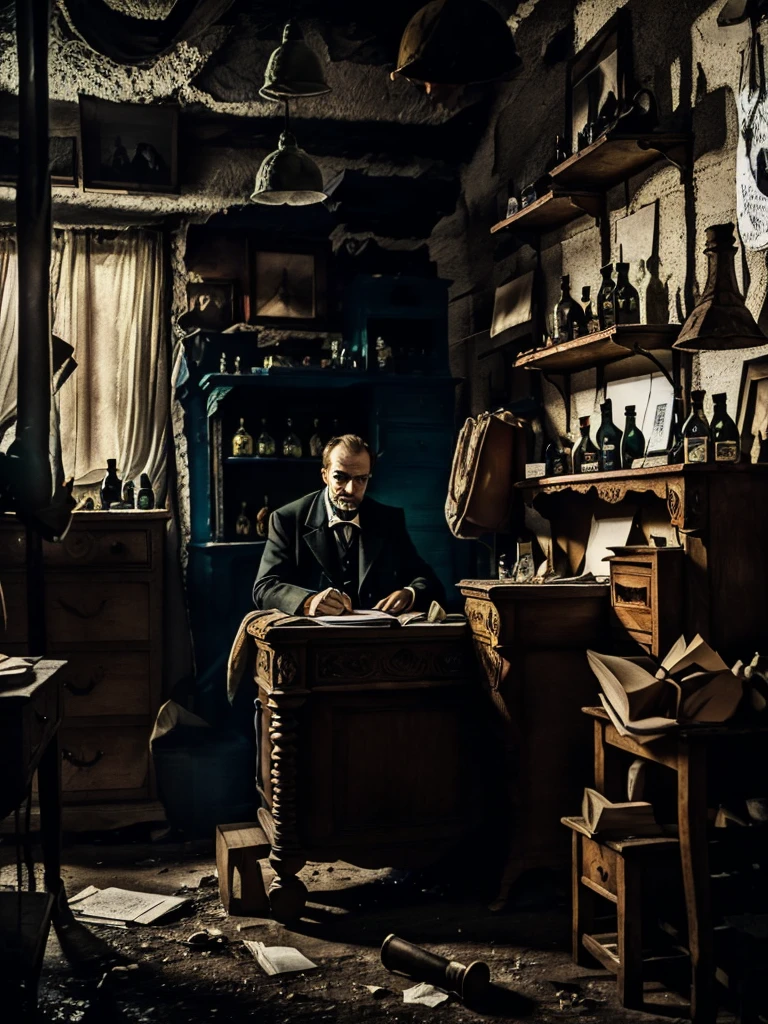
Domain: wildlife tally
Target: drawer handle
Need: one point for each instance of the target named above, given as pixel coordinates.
(76, 762)
(80, 691)
(116, 547)
(81, 614)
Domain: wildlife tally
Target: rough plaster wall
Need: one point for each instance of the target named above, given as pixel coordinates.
(680, 53)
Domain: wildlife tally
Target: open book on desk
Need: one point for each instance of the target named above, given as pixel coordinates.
(375, 619)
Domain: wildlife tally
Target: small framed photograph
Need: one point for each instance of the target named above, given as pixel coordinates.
(129, 147)
(753, 407)
(658, 426)
(598, 84)
(62, 154)
(210, 306)
(288, 288)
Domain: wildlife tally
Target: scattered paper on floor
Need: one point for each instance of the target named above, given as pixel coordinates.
(278, 959)
(425, 995)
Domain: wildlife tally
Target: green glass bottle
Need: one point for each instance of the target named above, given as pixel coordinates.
(608, 439)
(586, 457)
(725, 434)
(697, 436)
(633, 442)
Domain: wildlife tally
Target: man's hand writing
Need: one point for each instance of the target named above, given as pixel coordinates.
(396, 602)
(328, 602)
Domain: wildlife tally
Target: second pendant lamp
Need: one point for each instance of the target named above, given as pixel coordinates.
(289, 175)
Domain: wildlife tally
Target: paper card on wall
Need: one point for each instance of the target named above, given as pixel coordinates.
(512, 304)
(652, 397)
(605, 534)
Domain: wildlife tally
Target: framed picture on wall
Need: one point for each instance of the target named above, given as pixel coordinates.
(287, 288)
(129, 147)
(210, 306)
(753, 407)
(598, 84)
(62, 152)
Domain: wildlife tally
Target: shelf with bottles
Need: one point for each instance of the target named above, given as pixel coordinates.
(554, 209)
(600, 348)
(274, 460)
(613, 158)
(646, 473)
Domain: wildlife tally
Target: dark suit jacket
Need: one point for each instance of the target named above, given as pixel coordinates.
(300, 558)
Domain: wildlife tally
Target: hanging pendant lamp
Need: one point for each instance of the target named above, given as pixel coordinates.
(293, 70)
(720, 319)
(455, 42)
(288, 176)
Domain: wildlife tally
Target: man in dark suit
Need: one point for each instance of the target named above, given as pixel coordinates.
(335, 549)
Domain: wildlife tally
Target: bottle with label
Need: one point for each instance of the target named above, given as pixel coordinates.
(243, 523)
(262, 519)
(291, 443)
(145, 499)
(555, 459)
(569, 319)
(129, 495)
(605, 312)
(697, 436)
(242, 442)
(608, 439)
(316, 442)
(589, 309)
(111, 485)
(265, 443)
(725, 434)
(633, 442)
(586, 457)
(626, 300)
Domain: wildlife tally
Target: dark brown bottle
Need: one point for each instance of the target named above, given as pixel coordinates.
(145, 499)
(697, 436)
(586, 457)
(626, 300)
(111, 485)
(725, 434)
(569, 319)
(605, 312)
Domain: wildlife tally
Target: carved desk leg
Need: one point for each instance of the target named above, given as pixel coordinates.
(287, 893)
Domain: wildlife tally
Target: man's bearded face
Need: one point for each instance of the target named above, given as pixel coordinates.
(347, 476)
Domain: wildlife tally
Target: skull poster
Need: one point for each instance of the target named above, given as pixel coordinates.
(752, 148)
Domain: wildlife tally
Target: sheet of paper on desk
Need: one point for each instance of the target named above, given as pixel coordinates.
(359, 617)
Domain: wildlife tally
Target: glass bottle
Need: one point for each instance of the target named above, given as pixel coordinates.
(633, 442)
(262, 519)
(586, 457)
(697, 436)
(608, 439)
(146, 496)
(626, 300)
(111, 485)
(569, 319)
(725, 434)
(265, 443)
(605, 312)
(129, 494)
(242, 442)
(291, 443)
(243, 523)
(316, 442)
(589, 309)
(554, 457)
(561, 150)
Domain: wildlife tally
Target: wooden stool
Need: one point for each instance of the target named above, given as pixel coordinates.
(239, 848)
(615, 869)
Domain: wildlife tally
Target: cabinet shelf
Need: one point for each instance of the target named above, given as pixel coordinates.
(273, 460)
(553, 210)
(614, 158)
(601, 348)
(643, 479)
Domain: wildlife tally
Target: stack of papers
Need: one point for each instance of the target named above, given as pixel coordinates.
(279, 959)
(693, 684)
(359, 617)
(15, 671)
(121, 907)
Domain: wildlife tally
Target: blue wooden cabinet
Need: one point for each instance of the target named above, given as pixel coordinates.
(407, 416)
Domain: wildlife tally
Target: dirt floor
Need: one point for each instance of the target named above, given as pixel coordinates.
(150, 975)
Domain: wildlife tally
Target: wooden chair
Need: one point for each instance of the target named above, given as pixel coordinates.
(622, 871)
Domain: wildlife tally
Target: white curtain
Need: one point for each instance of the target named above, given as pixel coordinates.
(8, 309)
(109, 302)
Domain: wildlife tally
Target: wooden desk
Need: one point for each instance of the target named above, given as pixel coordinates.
(687, 752)
(29, 742)
(530, 641)
(365, 739)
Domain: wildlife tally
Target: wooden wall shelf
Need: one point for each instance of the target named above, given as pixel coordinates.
(601, 348)
(651, 478)
(614, 158)
(553, 210)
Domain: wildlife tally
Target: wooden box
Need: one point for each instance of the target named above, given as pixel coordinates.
(647, 596)
(239, 848)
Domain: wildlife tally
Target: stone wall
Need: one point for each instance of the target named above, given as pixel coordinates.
(693, 67)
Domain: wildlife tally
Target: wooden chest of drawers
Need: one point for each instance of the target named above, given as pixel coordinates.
(104, 615)
(647, 596)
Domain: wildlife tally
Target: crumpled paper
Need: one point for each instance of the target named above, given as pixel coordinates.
(425, 995)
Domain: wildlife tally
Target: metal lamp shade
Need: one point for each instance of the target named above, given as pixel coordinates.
(288, 176)
(720, 320)
(455, 42)
(293, 69)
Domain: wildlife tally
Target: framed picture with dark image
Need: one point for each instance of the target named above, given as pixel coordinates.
(62, 152)
(210, 306)
(129, 147)
(287, 288)
(599, 82)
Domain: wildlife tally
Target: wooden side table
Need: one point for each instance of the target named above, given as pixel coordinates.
(29, 742)
(690, 753)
